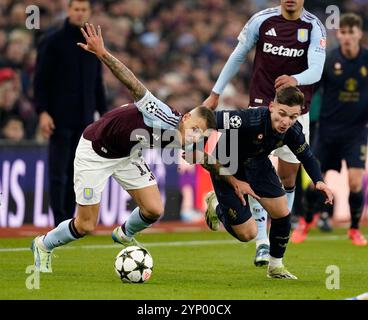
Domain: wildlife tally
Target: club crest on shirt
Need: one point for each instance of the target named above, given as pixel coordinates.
(88, 193)
(351, 84)
(302, 35)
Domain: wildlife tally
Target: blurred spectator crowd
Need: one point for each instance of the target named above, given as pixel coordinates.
(177, 48)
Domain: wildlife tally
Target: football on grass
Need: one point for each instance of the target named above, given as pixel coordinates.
(134, 264)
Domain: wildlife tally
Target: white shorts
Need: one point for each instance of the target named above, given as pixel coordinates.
(91, 173)
(284, 152)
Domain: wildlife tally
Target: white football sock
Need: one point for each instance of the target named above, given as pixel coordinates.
(260, 216)
(275, 262)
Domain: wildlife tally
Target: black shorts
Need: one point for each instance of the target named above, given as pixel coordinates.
(262, 178)
(331, 151)
(233, 210)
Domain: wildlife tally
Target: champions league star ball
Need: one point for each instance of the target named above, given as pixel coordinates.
(235, 122)
(134, 264)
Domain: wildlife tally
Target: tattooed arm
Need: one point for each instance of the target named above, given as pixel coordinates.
(95, 44)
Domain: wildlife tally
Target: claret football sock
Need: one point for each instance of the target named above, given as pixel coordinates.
(64, 233)
(279, 236)
(136, 222)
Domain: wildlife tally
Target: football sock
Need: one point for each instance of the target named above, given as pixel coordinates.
(275, 262)
(356, 206)
(136, 222)
(227, 226)
(260, 216)
(64, 233)
(290, 195)
(279, 235)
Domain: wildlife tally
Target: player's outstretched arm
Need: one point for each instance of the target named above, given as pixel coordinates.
(311, 166)
(313, 169)
(230, 69)
(95, 44)
(212, 101)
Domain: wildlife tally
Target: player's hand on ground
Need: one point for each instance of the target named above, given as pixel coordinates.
(47, 125)
(212, 101)
(285, 81)
(241, 188)
(95, 43)
(321, 186)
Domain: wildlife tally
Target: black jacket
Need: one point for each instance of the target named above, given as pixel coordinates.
(68, 80)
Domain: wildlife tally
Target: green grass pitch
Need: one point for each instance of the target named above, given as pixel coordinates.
(190, 266)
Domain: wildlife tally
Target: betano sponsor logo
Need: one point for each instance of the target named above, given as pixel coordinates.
(282, 51)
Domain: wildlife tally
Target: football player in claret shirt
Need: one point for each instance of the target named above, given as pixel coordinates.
(111, 146)
(260, 131)
(289, 47)
(342, 131)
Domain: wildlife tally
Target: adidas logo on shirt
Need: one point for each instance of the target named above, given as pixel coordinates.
(271, 32)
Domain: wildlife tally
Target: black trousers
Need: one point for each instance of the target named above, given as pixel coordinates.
(62, 146)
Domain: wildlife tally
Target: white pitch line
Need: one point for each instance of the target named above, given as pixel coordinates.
(172, 244)
(149, 244)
